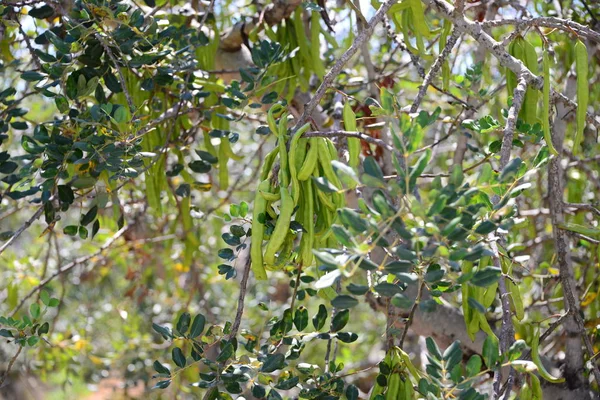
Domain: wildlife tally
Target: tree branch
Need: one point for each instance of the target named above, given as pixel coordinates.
(546, 22)
(10, 365)
(241, 298)
(511, 121)
(358, 135)
(337, 68)
(22, 229)
(69, 267)
(476, 31)
(435, 68)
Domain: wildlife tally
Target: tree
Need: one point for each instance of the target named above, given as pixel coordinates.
(384, 200)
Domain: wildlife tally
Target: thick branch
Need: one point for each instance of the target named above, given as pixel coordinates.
(574, 326)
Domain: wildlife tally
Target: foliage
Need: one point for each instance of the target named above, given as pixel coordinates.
(216, 199)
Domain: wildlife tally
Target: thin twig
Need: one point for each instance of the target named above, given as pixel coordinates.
(358, 135)
(242, 296)
(546, 22)
(411, 314)
(19, 231)
(68, 267)
(583, 206)
(10, 365)
(121, 76)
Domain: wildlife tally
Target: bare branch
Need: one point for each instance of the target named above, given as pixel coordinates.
(337, 68)
(10, 365)
(546, 22)
(583, 206)
(69, 267)
(121, 76)
(242, 296)
(476, 31)
(435, 68)
(22, 229)
(511, 121)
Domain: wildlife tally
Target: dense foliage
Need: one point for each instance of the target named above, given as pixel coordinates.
(288, 199)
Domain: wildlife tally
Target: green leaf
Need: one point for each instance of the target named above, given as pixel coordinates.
(340, 320)
(358, 290)
(183, 323)
(510, 170)
(44, 297)
(6, 333)
(65, 194)
(162, 384)
(396, 267)
(70, 230)
(353, 220)
(33, 340)
(42, 12)
(352, 392)
(161, 369)
(197, 326)
(433, 349)
(456, 177)
(243, 209)
(400, 300)
(178, 357)
(43, 329)
(319, 319)
(301, 318)
(387, 289)
(344, 301)
(486, 277)
(206, 156)
(89, 216)
(226, 353)
(164, 332)
(120, 115)
(34, 310)
(273, 362)
(200, 166)
(486, 227)
(372, 168)
(32, 76)
(490, 352)
(83, 232)
(474, 365)
(453, 355)
(346, 174)
(324, 185)
(258, 391)
(274, 395)
(61, 103)
(287, 384)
